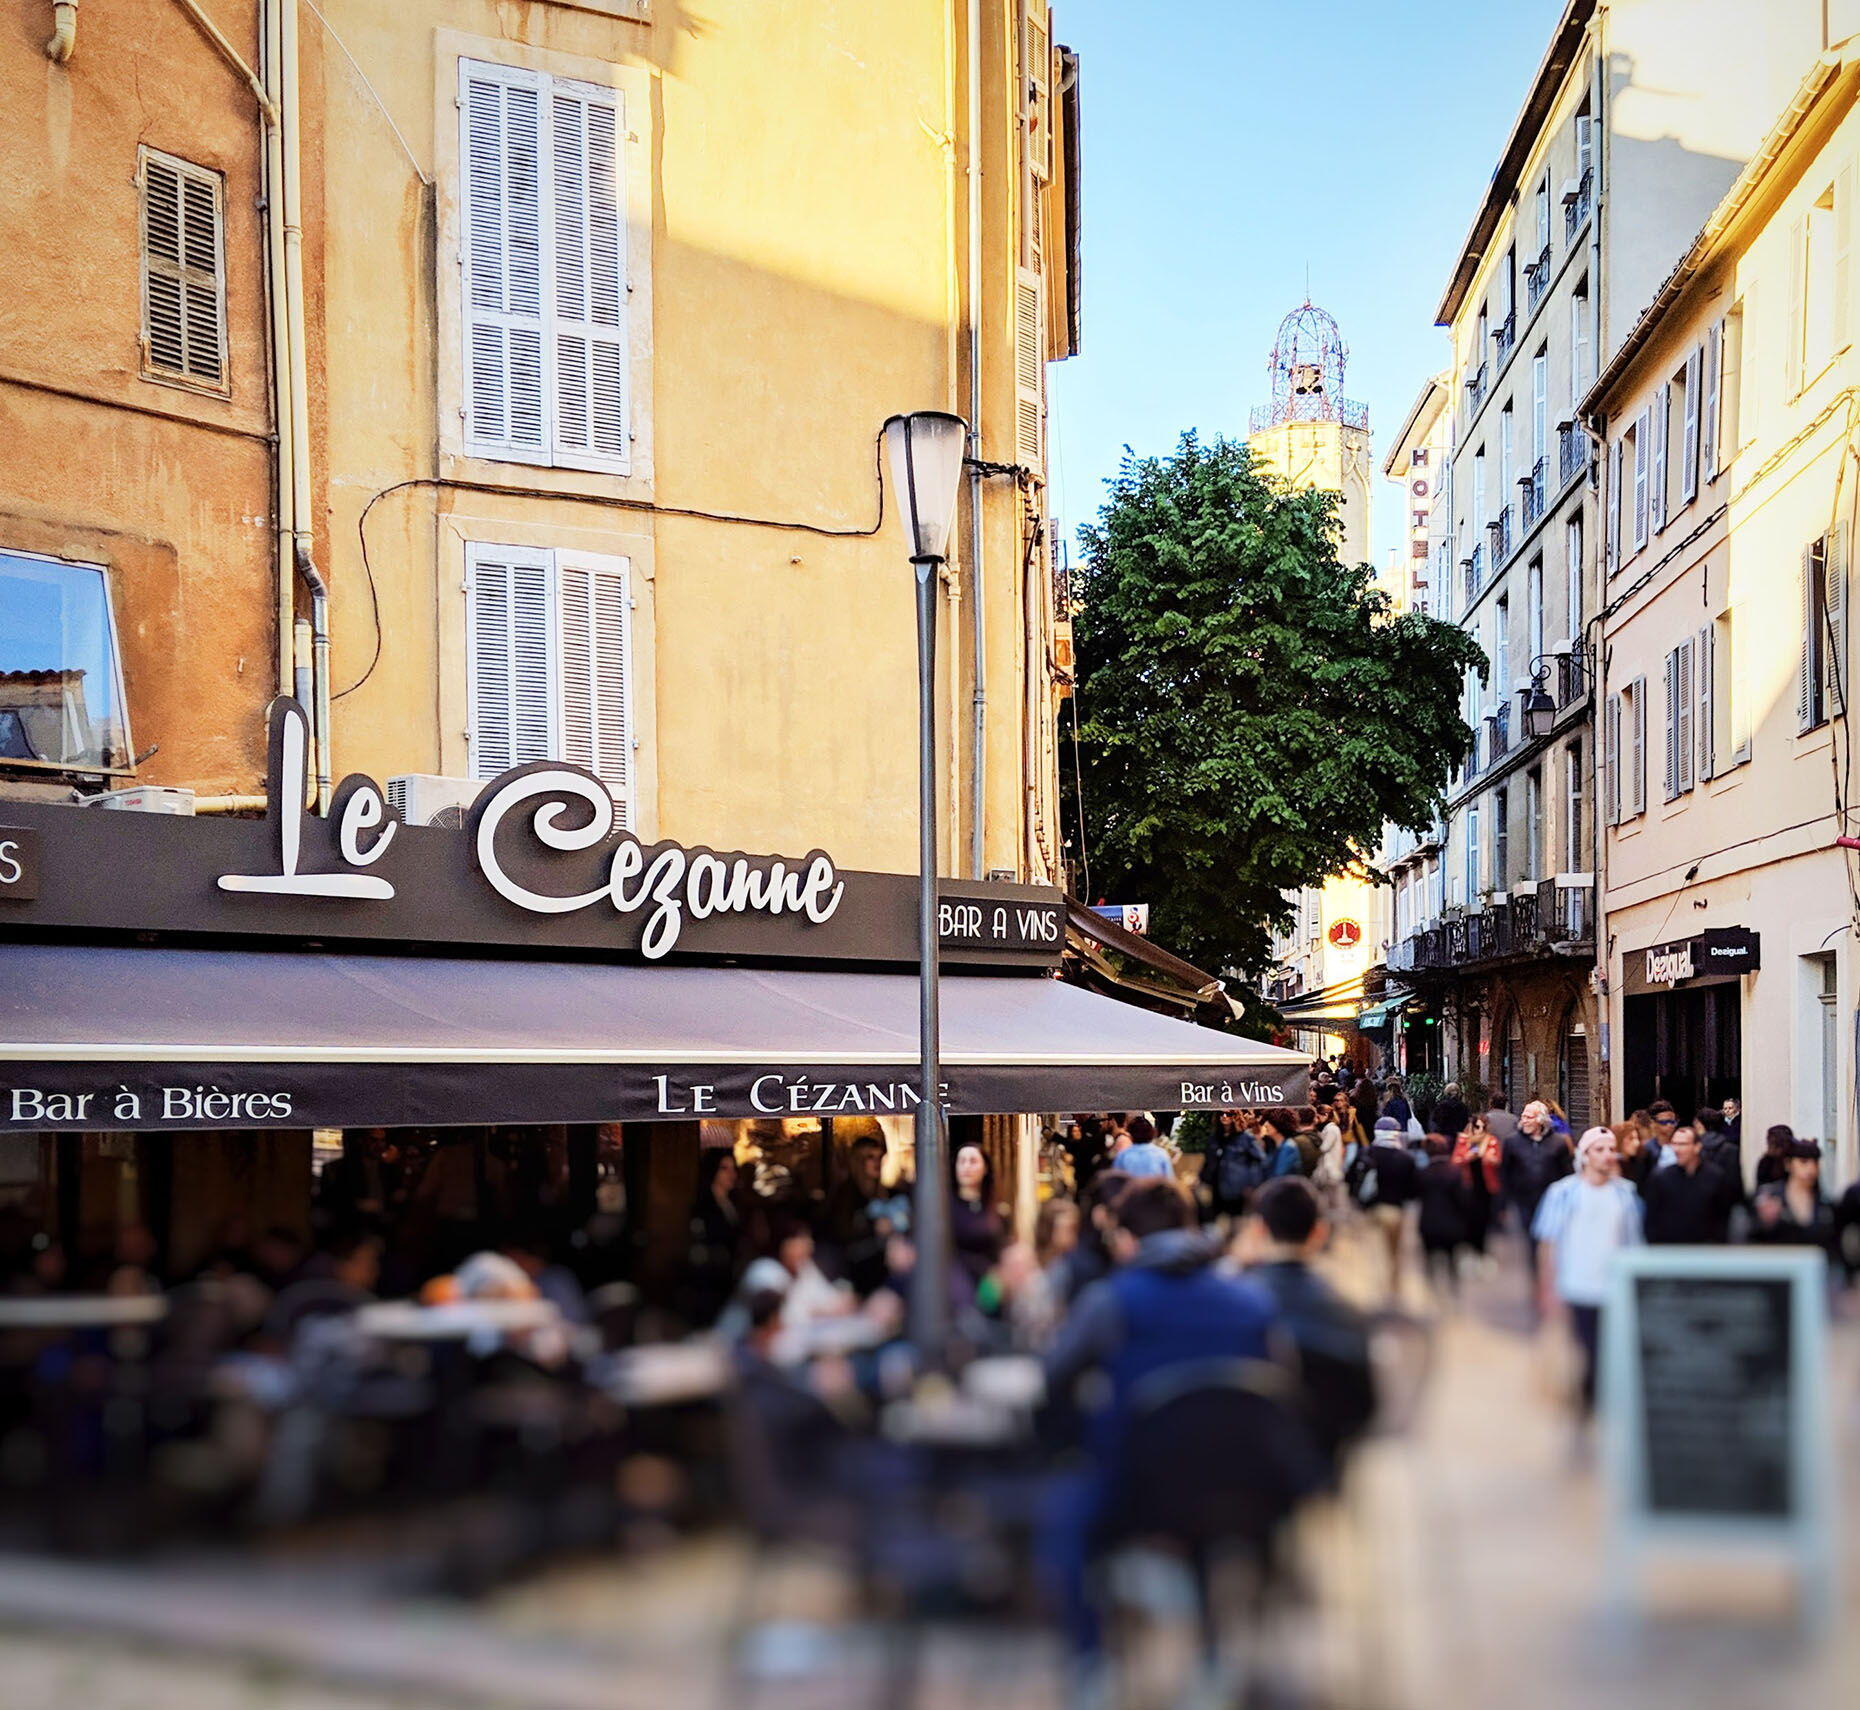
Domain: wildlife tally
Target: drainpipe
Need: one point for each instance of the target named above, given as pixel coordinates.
(63, 41)
(952, 594)
(978, 756)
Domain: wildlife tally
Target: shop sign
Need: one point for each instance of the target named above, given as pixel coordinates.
(1345, 934)
(1725, 951)
(542, 866)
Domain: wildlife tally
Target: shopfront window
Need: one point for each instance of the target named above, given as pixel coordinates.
(61, 697)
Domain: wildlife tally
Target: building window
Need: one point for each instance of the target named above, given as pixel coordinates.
(1501, 839)
(1572, 565)
(1681, 706)
(1729, 734)
(1575, 843)
(183, 272)
(1533, 824)
(1472, 853)
(61, 683)
(1540, 412)
(1580, 374)
(548, 645)
(1534, 614)
(1624, 756)
(544, 264)
(1501, 648)
(1820, 688)
(1690, 413)
(1822, 270)
(1639, 449)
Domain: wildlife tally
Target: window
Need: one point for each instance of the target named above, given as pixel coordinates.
(1534, 613)
(1507, 453)
(1501, 839)
(1821, 241)
(61, 684)
(1735, 412)
(1575, 843)
(1543, 214)
(1615, 483)
(1572, 567)
(1727, 741)
(1540, 408)
(1581, 375)
(1689, 437)
(1478, 494)
(1656, 455)
(1641, 443)
(1501, 648)
(1708, 402)
(1681, 735)
(1585, 145)
(550, 670)
(1624, 751)
(1611, 759)
(1485, 334)
(1472, 852)
(1533, 824)
(1820, 685)
(1636, 733)
(183, 272)
(545, 286)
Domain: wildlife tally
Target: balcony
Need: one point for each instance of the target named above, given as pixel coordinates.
(1578, 204)
(1553, 918)
(1505, 337)
(1572, 452)
(1475, 389)
(1537, 279)
(1473, 569)
(1531, 496)
(1499, 743)
(1498, 535)
(1571, 681)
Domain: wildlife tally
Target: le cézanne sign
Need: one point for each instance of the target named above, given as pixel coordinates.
(542, 866)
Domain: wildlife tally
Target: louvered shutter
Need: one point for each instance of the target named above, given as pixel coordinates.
(1643, 436)
(1611, 759)
(505, 261)
(183, 271)
(1689, 439)
(596, 674)
(1614, 507)
(1841, 310)
(1805, 684)
(1834, 631)
(1672, 724)
(1637, 738)
(1656, 468)
(1708, 702)
(1685, 707)
(510, 644)
(1029, 371)
(1708, 413)
(588, 242)
(1792, 355)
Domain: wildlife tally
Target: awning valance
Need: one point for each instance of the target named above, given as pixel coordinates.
(113, 1037)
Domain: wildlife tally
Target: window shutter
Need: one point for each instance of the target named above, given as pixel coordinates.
(596, 717)
(1708, 413)
(1672, 724)
(1834, 635)
(510, 647)
(1029, 371)
(1806, 667)
(1637, 737)
(504, 260)
(1656, 470)
(1689, 438)
(589, 335)
(1843, 280)
(1792, 358)
(1611, 758)
(183, 271)
(1614, 506)
(1707, 710)
(1643, 436)
(1685, 706)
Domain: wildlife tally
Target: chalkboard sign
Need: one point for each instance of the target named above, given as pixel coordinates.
(1714, 1394)
(1714, 1407)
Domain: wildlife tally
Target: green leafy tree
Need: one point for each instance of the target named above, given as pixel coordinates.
(1251, 710)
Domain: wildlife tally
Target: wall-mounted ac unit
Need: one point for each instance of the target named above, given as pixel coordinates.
(426, 798)
(146, 798)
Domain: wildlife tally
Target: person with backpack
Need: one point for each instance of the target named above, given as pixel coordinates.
(1234, 1165)
(1386, 1183)
(1278, 1130)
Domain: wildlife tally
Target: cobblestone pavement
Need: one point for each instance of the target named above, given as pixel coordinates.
(1466, 1569)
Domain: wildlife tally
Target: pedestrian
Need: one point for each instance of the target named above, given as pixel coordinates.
(1234, 1166)
(1665, 1119)
(1558, 1119)
(1143, 1156)
(1635, 1152)
(1277, 1133)
(1692, 1202)
(1498, 1117)
(1385, 1187)
(1396, 1105)
(1532, 1158)
(1794, 1211)
(1773, 1166)
(1445, 1218)
(1450, 1115)
(977, 1232)
(1476, 1151)
(1585, 1219)
(1716, 1143)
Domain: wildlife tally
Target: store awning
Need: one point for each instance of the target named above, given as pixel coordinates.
(113, 1037)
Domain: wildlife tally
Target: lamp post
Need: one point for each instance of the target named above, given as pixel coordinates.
(926, 451)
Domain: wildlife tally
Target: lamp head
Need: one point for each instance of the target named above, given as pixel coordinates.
(926, 450)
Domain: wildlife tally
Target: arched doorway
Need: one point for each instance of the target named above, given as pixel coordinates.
(1511, 1071)
(1572, 1069)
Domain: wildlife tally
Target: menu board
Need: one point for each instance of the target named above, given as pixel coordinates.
(1716, 1394)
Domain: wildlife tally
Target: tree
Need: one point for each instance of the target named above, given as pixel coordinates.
(1251, 709)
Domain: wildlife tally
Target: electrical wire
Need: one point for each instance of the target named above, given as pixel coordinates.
(612, 501)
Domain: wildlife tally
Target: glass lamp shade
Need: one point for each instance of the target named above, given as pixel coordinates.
(926, 452)
(1539, 713)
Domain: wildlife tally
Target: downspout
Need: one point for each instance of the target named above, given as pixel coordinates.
(978, 758)
(952, 594)
(63, 41)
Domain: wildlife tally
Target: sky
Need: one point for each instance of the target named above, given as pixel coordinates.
(1229, 145)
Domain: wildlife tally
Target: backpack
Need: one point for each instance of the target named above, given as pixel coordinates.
(1361, 1180)
(1239, 1168)
(1307, 1153)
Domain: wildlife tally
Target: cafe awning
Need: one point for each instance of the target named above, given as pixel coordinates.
(119, 1037)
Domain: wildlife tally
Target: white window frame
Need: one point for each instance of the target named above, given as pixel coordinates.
(1643, 434)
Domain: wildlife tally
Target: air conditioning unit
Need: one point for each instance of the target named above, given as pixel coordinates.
(425, 798)
(146, 798)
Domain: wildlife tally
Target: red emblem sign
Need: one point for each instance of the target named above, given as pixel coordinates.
(1346, 932)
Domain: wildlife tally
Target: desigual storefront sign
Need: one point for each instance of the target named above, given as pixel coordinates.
(1724, 952)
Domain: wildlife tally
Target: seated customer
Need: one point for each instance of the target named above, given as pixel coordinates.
(1328, 1336)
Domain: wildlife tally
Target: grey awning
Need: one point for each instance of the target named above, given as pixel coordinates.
(95, 1037)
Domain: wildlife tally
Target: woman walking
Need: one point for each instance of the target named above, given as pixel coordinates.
(1585, 1220)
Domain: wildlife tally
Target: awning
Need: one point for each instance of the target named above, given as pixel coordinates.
(112, 1037)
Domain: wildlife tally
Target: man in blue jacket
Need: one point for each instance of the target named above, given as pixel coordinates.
(1166, 1304)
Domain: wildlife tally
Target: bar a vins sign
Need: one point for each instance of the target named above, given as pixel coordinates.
(542, 867)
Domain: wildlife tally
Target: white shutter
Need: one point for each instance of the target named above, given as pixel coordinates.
(1843, 280)
(1637, 738)
(1708, 414)
(1643, 435)
(504, 261)
(1614, 507)
(589, 334)
(593, 598)
(1834, 634)
(1611, 759)
(1672, 724)
(510, 647)
(1656, 468)
(1685, 736)
(1029, 371)
(1706, 711)
(183, 270)
(1792, 357)
(1689, 439)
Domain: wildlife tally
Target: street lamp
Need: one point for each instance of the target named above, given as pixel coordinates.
(1539, 709)
(926, 450)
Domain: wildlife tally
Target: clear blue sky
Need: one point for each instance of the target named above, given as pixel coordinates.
(1228, 144)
